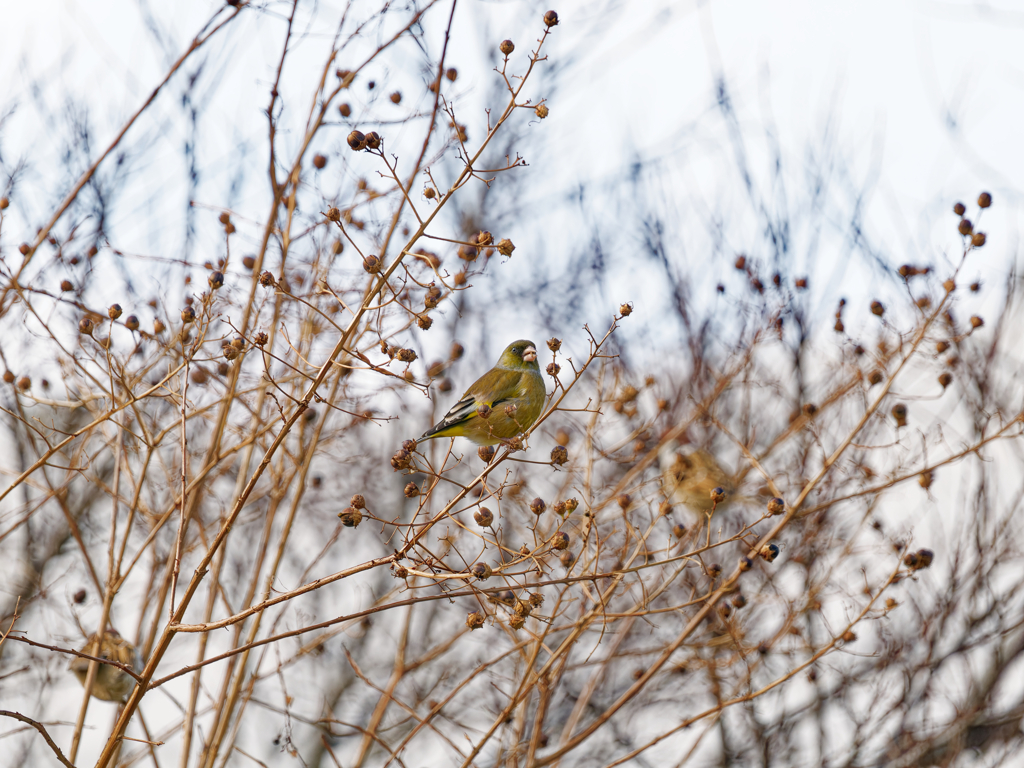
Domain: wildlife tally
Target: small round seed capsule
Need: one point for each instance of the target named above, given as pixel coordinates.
(482, 571)
(506, 47)
(350, 517)
(560, 541)
(474, 620)
(85, 326)
(114, 311)
(551, 18)
(559, 455)
(984, 200)
(776, 506)
(357, 141)
(216, 280)
(899, 412)
(484, 517)
(959, 209)
(537, 506)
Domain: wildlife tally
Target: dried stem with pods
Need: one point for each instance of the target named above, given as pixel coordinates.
(554, 601)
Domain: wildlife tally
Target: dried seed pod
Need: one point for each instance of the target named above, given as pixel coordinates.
(849, 636)
(350, 517)
(468, 252)
(510, 410)
(718, 494)
(482, 571)
(474, 620)
(357, 141)
(877, 308)
(433, 297)
(746, 563)
(626, 309)
(678, 530)
(406, 355)
(8, 377)
(875, 377)
(541, 111)
(85, 326)
(554, 344)
(188, 315)
(402, 459)
(4, 202)
(739, 601)
(371, 264)
(505, 247)
(976, 322)
(333, 214)
(216, 280)
(959, 209)
(267, 280)
(776, 506)
(411, 490)
(484, 238)
(925, 480)
(839, 326)
(965, 227)
(24, 383)
(623, 500)
(424, 322)
(506, 47)
(260, 339)
(114, 311)
(770, 552)
(484, 517)
(65, 286)
(158, 326)
(559, 455)
(230, 352)
(537, 506)
(553, 370)
(571, 505)
(319, 161)
(567, 558)
(484, 411)
(945, 379)
(560, 541)
(358, 502)
(899, 412)
(978, 239)
(429, 193)
(396, 97)
(714, 571)
(551, 18)
(984, 200)
(941, 346)
(345, 109)
(373, 140)
(949, 285)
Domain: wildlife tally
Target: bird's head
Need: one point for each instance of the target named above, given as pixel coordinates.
(519, 355)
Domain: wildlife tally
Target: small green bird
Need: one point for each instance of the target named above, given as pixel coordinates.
(501, 404)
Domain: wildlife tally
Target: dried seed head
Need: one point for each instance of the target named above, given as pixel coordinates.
(357, 141)
(949, 285)
(8, 377)
(626, 309)
(350, 517)
(984, 200)
(959, 209)
(551, 18)
(978, 239)
(801, 283)
(746, 563)
(424, 322)
(740, 263)
(484, 517)
(433, 297)
(260, 339)
(333, 214)
(899, 412)
(809, 409)
(486, 453)
(506, 47)
(505, 247)
(739, 601)
(714, 571)
(267, 280)
(401, 572)
(941, 346)
(319, 161)
(345, 109)
(482, 571)
(411, 490)
(402, 459)
(560, 541)
(396, 97)
(537, 506)
(623, 500)
(770, 552)
(679, 530)
(85, 326)
(24, 248)
(559, 455)
(230, 352)
(849, 636)
(925, 480)
(776, 506)
(474, 620)
(965, 227)
(925, 557)
(571, 505)
(199, 375)
(839, 326)
(875, 377)
(358, 502)
(430, 193)
(516, 622)
(4, 202)
(541, 111)
(484, 411)
(406, 355)
(452, 74)
(373, 140)
(371, 264)
(216, 280)
(158, 326)
(553, 369)
(718, 494)
(468, 252)
(567, 558)
(188, 315)
(554, 344)
(877, 308)
(558, 508)
(945, 379)
(484, 238)
(114, 311)
(65, 285)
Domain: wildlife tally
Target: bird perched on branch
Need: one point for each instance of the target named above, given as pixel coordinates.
(689, 478)
(111, 683)
(501, 404)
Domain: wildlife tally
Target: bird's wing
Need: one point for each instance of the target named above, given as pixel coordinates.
(493, 387)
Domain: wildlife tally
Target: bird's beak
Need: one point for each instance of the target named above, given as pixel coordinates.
(529, 354)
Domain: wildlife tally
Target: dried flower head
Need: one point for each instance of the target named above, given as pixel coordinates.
(984, 200)
(505, 247)
(537, 506)
(484, 517)
(357, 141)
(114, 311)
(551, 18)
(482, 571)
(474, 620)
(559, 455)
(350, 517)
(506, 47)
